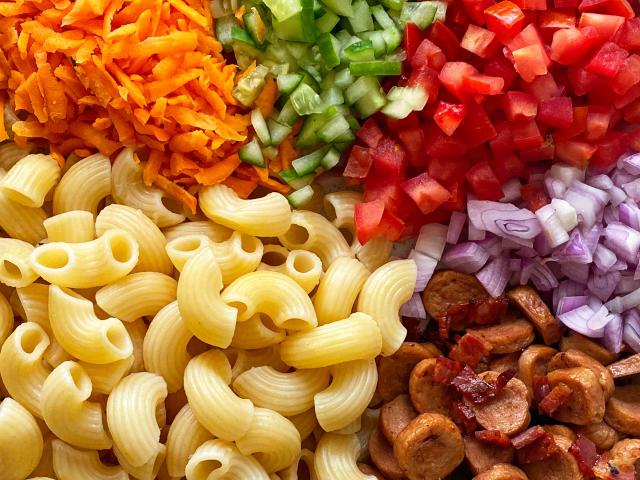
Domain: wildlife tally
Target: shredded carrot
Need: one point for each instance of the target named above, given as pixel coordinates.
(218, 172)
(3, 131)
(267, 98)
(287, 152)
(243, 188)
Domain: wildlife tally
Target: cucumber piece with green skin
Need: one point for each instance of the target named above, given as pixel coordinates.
(353, 122)
(318, 9)
(441, 9)
(260, 126)
(288, 115)
(419, 13)
(329, 49)
(301, 197)
(361, 20)
(327, 22)
(308, 135)
(300, 27)
(294, 180)
(361, 87)
(249, 87)
(251, 154)
(278, 131)
(297, 50)
(392, 38)
(334, 128)
(382, 17)
(393, 4)
(284, 9)
(344, 79)
(255, 26)
(377, 41)
(239, 34)
(288, 82)
(330, 159)
(370, 103)
(376, 67)
(343, 36)
(223, 31)
(305, 100)
(359, 51)
(332, 96)
(340, 7)
(345, 137)
(308, 163)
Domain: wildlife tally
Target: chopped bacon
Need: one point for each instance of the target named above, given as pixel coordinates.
(495, 437)
(554, 400)
(444, 324)
(504, 378)
(540, 388)
(455, 317)
(470, 349)
(463, 416)
(527, 437)
(472, 387)
(446, 370)
(584, 451)
(540, 449)
(416, 328)
(488, 310)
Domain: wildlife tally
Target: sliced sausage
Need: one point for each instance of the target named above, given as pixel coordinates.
(502, 471)
(623, 409)
(481, 456)
(576, 358)
(394, 370)
(395, 415)
(381, 453)
(624, 457)
(625, 367)
(508, 336)
(600, 433)
(426, 395)
(534, 361)
(560, 466)
(508, 411)
(560, 431)
(430, 448)
(586, 403)
(369, 470)
(447, 288)
(530, 303)
(585, 345)
(503, 363)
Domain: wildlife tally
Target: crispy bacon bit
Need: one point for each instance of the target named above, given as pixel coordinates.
(455, 317)
(416, 328)
(495, 437)
(540, 388)
(464, 417)
(528, 437)
(444, 324)
(472, 387)
(541, 449)
(504, 378)
(488, 310)
(554, 400)
(446, 370)
(470, 349)
(584, 451)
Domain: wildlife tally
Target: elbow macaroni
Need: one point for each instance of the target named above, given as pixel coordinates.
(21, 441)
(74, 226)
(184, 438)
(72, 464)
(336, 457)
(221, 459)
(84, 185)
(20, 222)
(30, 179)
(15, 268)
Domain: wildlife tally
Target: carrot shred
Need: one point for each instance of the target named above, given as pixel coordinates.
(265, 102)
(218, 172)
(3, 131)
(243, 188)
(177, 192)
(152, 167)
(287, 152)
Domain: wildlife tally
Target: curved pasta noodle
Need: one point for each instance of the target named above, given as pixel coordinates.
(243, 360)
(305, 268)
(10, 154)
(217, 408)
(272, 439)
(82, 333)
(20, 222)
(382, 295)
(84, 185)
(68, 412)
(185, 436)
(336, 457)
(305, 423)
(268, 216)
(44, 469)
(134, 402)
(137, 331)
(255, 334)
(202, 308)
(137, 295)
(351, 427)
(55, 354)
(152, 255)
(88, 264)
(262, 292)
(72, 464)
(222, 460)
(15, 268)
(6, 319)
(238, 255)
(291, 472)
(311, 231)
(181, 249)
(165, 346)
(338, 290)
(288, 393)
(105, 377)
(127, 188)
(74, 226)
(375, 253)
(34, 302)
(20, 441)
(30, 179)
(273, 258)
(211, 230)
(355, 338)
(352, 388)
(147, 471)
(340, 206)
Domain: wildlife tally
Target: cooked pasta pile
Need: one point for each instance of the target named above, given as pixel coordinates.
(137, 343)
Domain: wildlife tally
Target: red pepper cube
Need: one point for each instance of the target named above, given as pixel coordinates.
(483, 84)
(574, 152)
(484, 182)
(505, 19)
(565, 3)
(503, 143)
(545, 152)
(359, 163)
(370, 133)
(526, 134)
(440, 145)
(544, 87)
(598, 121)
(556, 112)
(427, 79)
(476, 9)
(613, 7)
(610, 148)
(389, 160)
(452, 77)
(501, 67)
(428, 54)
(443, 37)
(552, 20)
(509, 166)
(519, 105)
(532, 4)
(606, 25)
(413, 141)
(367, 217)
(608, 60)
(628, 76)
(426, 192)
(412, 38)
(571, 45)
(530, 62)
(449, 116)
(629, 35)
(476, 128)
(582, 80)
(479, 41)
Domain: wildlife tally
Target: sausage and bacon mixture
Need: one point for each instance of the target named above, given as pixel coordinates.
(499, 392)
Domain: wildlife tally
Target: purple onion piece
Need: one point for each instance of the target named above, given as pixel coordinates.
(567, 288)
(617, 195)
(589, 202)
(604, 258)
(474, 233)
(414, 308)
(495, 275)
(467, 257)
(599, 320)
(625, 302)
(456, 224)
(426, 266)
(575, 250)
(631, 164)
(542, 277)
(631, 331)
(629, 215)
(555, 188)
(626, 284)
(491, 245)
(577, 320)
(578, 272)
(432, 239)
(623, 240)
(620, 177)
(601, 181)
(632, 189)
(603, 284)
(566, 304)
(503, 219)
(612, 339)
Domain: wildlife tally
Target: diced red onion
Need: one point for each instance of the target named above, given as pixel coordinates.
(539, 274)
(552, 227)
(494, 276)
(456, 224)
(508, 244)
(467, 257)
(567, 288)
(577, 320)
(414, 308)
(627, 284)
(612, 339)
(610, 214)
(515, 264)
(632, 189)
(504, 220)
(604, 258)
(587, 201)
(474, 233)
(527, 252)
(629, 215)
(623, 240)
(617, 195)
(555, 188)
(566, 173)
(620, 177)
(566, 304)
(426, 266)
(603, 182)
(431, 240)
(575, 250)
(511, 190)
(631, 164)
(631, 331)
(491, 245)
(578, 272)
(566, 213)
(625, 302)
(598, 321)
(603, 284)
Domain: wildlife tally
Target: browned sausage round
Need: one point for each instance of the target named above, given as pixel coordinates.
(506, 362)
(624, 457)
(381, 453)
(560, 431)
(625, 367)
(447, 288)
(600, 433)
(508, 411)
(502, 471)
(530, 303)
(369, 470)
(394, 370)
(481, 456)
(426, 395)
(429, 448)
(586, 403)
(576, 358)
(534, 361)
(560, 466)
(585, 345)
(395, 415)
(623, 409)
(508, 336)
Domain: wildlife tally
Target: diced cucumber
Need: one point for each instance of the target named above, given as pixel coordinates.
(361, 87)
(382, 17)
(419, 13)
(329, 49)
(328, 80)
(300, 27)
(260, 126)
(288, 115)
(301, 197)
(239, 34)
(251, 153)
(392, 38)
(376, 67)
(287, 83)
(255, 26)
(284, 9)
(359, 51)
(332, 96)
(370, 103)
(397, 109)
(335, 127)
(331, 159)
(288, 175)
(275, 52)
(416, 97)
(353, 122)
(377, 40)
(343, 36)
(392, 4)
(327, 22)
(318, 9)
(361, 20)
(223, 31)
(314, 73)
(249, 87)
(308, 163)
(341, 7)
(297, 182)
(342, 146)
(276, 68)
(344, 78)
(305, 101)
(345, 137)
(278, 131)
(441, 9)
(308, 135)
(297, 50)
(270, 152)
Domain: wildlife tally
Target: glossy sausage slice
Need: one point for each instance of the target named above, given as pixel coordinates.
(588, 346)
(502, 471)
(381, 453)
(394, 370)
(560, 466)
(426, 395)
(625, 367)
(395, 415)
(586, 403)
(448, 288)
(623, 409)
(429, 448)
(502, 363)
(369, 470)
(482, 456)
(560, 431)
(576, 358)
(530, 303)
(534, 361)
(624, 457)
(510, 335)
(601, 434)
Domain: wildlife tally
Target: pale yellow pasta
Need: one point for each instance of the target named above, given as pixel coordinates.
(84, 185)
(305, 422)
(74, 226)
(127, 188)
(181, 249)
(382, 295)
(305, 268)
(82, 333)
(15, 267)
(338, 290)
(137, 331)
(44, 469)
(214, 404)
(55, 354)
(137, 295)
(272, 439)
(311, 231)
(264, 292)
(352, 387)
(238, 255)
(243, 360)
(34, 302)
(357, 337)
(6, 319)
(134, 402)
(221, 460)
(257, 332)
(352, 427)
(105, 377)
(149, 470)
(20, 441)
(22, 366)
(165, 346)
(67, 411)
(273, 258)
(10, 153)
(30, 179)
(20, 222)
(88, 264)
(291, 472)
(74, 464)
(185, 436)
(211, 230)
(201, 306)
(336, 457)
(375, 253)
(340, 206)
(288, 393)
(147, 235)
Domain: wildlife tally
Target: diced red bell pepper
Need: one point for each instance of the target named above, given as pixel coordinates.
(483, 84)
(582, 80)
(476, 128)
(519, 105)
(457, 14)
(391, 226)
(544, 87)
(509, 166)
(610, 148)
(628, 76)
(449, 116)
(412, 140)
(443, 37)
(389, 160)
(629, 35)
(458, 199)
(534, 195)
(532, 4)
(570, 45)
(505, 19)
(574, 152)
(527, 37)
(632, 115)
(452, 77)
(503, 143)
(608, 60)
(565, 3)
(448, 171)
(526, 134)
(501, 67)
(606, 25)
(624, 100)
(552, 20)
(479, 41)
(612, 7)
(598, 120)
(530, 62)
(397, 124)
(484, 182)
(476, 8)
(428, 54)
(368, 216)
(546, 151)
(359, 163)
(370, 133)
(412, 38)
(579, 124)
(557, 112)
(440, 145)
(426, 192)
(427, 79)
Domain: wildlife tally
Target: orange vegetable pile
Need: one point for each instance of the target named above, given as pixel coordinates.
(99, 74)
